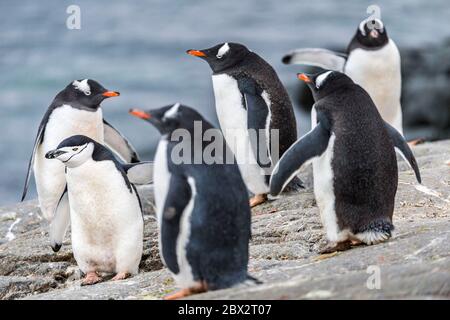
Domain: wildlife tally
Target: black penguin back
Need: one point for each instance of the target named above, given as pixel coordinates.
(220, 231)
(364, 163)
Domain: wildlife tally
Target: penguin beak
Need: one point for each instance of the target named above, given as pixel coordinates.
(140, 114)
(374, 34)
(52, 154)
(110, 94)
(304, 77)
(196, 53)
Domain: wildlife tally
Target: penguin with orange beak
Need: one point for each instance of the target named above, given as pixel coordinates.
(354, 164)
(254, 112)
(74, 111)
(201, 206)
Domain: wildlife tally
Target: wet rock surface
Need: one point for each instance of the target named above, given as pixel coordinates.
(287, 235)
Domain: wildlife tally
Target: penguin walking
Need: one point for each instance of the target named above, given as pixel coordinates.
(354, 164)
(75, 110)
(105, 210)
(202, 208)
(371, 55)
(251, 104)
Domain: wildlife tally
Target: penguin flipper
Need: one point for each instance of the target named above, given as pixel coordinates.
(311, 145)
(37, 142)
(60, 222)
(177, 198)
(115, 141)
(139, 173)
(323, 58)
(401, 146)
(257, 115)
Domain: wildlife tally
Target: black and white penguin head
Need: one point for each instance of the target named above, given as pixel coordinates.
(73, 151)
(323, 83)
(222, 56)
(87, 93)
(371, 34)
(169, 118)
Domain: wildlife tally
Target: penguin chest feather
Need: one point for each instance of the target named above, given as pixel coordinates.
(379, 73)
(64, 122)
(324, 191)
(232, 117)
(106, 219)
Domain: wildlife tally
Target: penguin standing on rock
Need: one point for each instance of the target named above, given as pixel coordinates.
(75, 110)
(251, 103)
(202, 207)
(105, 211)
(354, 164)
(371, 56)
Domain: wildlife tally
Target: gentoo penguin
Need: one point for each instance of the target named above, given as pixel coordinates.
(254, 112)
(75, 110)
(105, 211)
(371, 56)
(354, 164)
(202, 207)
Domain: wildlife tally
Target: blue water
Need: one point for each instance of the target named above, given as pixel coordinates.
(138, 48)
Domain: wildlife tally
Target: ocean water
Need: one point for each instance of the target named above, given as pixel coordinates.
(138, 48)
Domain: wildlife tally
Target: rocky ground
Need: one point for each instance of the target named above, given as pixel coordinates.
(287, 235)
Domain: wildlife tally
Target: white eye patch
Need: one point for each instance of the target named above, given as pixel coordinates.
(223, 50)
(321, 78)
(172, 111)
(83, 86)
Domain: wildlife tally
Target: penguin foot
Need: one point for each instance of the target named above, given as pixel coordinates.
(415, 142)
(183, 293)
(295, 185)
(336, 246)
(91, 278)
(121, 276)
(257, 200)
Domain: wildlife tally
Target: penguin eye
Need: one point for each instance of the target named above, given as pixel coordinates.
(88, 93)
(74, 149)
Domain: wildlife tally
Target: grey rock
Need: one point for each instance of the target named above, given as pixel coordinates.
(287, 235)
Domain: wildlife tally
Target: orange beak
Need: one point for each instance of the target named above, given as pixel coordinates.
(140, 114)
(111, 94)
(303, 77)
(196, 53)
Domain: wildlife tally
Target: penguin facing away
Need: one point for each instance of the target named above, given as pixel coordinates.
(250, 97)
(204, 231)
(75, 110)
(371, 56)
(354, 165)
(103, 207)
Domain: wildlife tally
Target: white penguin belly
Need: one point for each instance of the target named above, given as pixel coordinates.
(106, 219)
(64, 122)
(379, 73)
(161, 180)
(324, 192)
(233, 122)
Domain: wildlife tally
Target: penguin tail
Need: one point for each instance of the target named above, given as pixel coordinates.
(294, 185)
(376, 232)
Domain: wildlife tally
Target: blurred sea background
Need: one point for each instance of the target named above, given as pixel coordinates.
(138, 48)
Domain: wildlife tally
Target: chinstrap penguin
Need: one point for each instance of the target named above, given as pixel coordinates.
(250, 98)
(371, 56)
(354, 164)
(202, 209)
(103, 207)
(75, 110)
